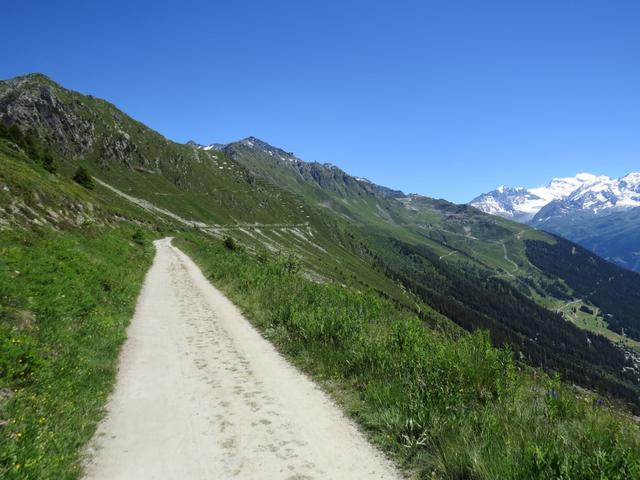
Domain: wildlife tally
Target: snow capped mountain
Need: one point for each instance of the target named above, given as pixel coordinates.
(562, 187)
(585, 191)
(515, 203)
(522, 204)
(601, 196)
(607, 193)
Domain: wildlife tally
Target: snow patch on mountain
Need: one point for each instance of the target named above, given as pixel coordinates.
(605, 193)
(585, 191)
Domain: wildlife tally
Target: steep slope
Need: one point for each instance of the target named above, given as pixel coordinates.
(324, 185)
(471, 267)
(85, 130)
(584, 273)
(436, 258)
(206, 187)
(71, 263)
(613, 235)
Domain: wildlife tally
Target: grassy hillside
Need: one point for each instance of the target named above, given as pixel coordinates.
(65, 300)
(471, 267)
(71, 265)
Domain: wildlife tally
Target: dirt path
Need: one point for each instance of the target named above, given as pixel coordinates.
(201, 395)
(150, 207)
(447, 255)
(564, 306)
(516, 267)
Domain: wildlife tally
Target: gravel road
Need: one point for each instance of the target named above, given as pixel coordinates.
(201, 395)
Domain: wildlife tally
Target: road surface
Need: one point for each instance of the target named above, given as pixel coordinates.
(201, 395)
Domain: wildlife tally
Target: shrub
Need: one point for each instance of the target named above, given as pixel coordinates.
(288, 263)
(27, 141)
(83, 178)
(4, 131)
(585, 309)
(15, 134)
(138, 237)
(230, 243)
(49, 163)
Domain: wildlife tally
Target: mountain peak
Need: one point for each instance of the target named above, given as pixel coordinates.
(585, 176)
(258, 144)
(632, 178)
(33, 78)
(251, 141)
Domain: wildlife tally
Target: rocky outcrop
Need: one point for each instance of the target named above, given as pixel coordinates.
(75, 126)
(33, 103)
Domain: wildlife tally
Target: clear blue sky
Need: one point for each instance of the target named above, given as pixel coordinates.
(446, 98)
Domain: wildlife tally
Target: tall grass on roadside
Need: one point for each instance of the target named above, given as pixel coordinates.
(445, 406)
(65, 299)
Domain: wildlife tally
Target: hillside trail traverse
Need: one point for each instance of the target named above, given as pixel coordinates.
(201, 395)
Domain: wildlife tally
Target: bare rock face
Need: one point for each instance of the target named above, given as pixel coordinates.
(33, 103)
(27, 211)
(119, 147)
(82, 128)
(77, 127)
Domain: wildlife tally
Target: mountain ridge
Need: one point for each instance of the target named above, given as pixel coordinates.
(234, 148)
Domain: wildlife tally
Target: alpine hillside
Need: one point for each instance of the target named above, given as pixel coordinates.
(432, 321)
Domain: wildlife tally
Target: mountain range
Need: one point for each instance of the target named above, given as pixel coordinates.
(596, 211)
(455, 266)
